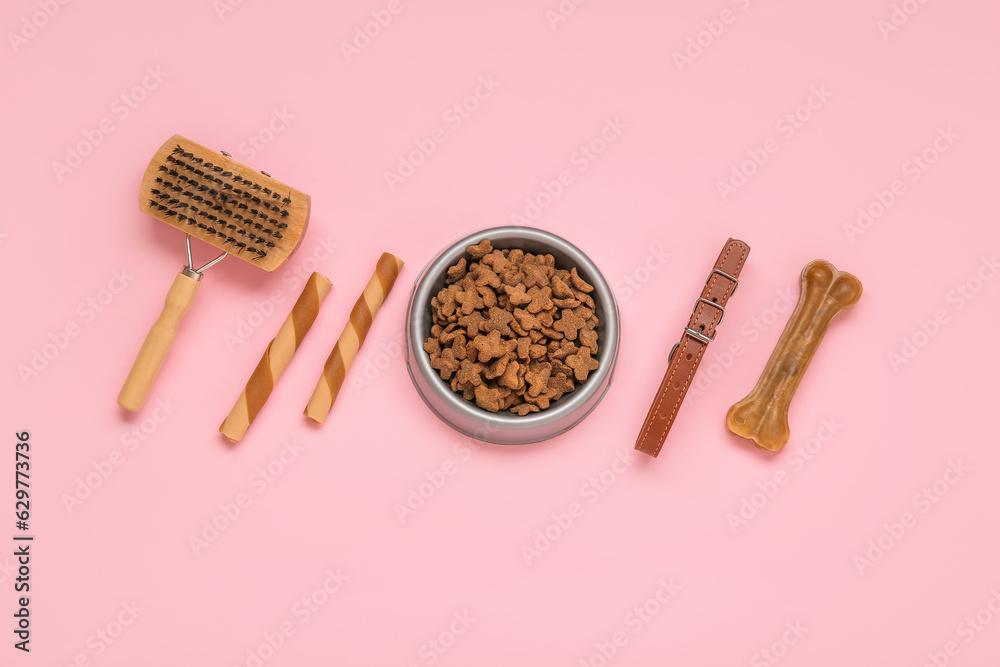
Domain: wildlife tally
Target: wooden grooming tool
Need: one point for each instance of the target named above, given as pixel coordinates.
(210, 196)
(763, 415)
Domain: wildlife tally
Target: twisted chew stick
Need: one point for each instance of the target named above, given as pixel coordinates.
(353, 337)
(276, 357)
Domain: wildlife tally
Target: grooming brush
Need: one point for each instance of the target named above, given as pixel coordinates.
(210, 196)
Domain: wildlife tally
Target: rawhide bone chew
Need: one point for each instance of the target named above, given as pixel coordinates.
(763, 415)
(353, 337)
(276, 357)
(210, 196)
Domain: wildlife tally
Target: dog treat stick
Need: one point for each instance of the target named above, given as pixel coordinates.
(763, 415)
(276, 357)
(353, 337)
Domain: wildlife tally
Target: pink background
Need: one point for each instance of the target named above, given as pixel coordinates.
(926, 258)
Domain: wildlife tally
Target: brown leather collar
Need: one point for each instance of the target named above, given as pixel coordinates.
(686, 355)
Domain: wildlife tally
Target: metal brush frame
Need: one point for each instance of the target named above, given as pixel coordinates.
(189, 271)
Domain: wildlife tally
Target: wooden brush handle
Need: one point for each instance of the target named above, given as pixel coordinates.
(157, 344)
(763, 415)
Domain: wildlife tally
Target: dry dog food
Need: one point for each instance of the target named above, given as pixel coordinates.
(511, 331)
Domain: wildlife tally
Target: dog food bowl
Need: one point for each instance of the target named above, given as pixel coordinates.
(505, 427)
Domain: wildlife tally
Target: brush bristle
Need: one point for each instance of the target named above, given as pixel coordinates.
(224, 203)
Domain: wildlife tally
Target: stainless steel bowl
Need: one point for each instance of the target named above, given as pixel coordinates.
(504, 427)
